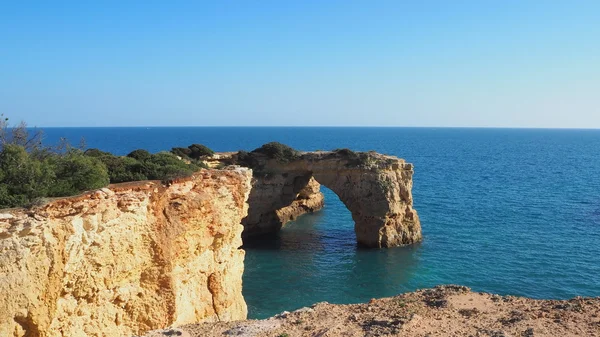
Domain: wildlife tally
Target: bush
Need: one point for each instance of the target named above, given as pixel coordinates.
(357, 159)
(75, 173)
(182, 152)
(141, 155)
(199, 150)
(278, 151)
(142, 165)
(346, 153)
(28, 176)
(96, 153)
(22, 178)
(255, 159)
(246, 159)
(123, 169)
(166, 166)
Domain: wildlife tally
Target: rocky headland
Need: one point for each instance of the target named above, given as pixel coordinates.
(139, 256)
(376, 189)
(441, 311)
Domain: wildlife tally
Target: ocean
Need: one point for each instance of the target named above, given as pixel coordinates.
(506, 211)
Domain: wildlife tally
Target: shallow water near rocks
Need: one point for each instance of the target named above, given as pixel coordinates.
(508, 211)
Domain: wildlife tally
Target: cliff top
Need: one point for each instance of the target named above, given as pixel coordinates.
(441, 311)
(140, 185)
(281, 155)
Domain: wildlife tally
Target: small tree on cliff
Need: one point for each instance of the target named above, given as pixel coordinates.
(19, 135)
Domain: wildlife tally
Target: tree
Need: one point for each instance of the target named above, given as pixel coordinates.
(19, 135)
(22, 178)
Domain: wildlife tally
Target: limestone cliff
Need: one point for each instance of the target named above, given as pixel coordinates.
(280, 198)
(125, 259)
(377, 189)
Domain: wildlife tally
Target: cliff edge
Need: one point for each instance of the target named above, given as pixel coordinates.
(441, 311)
(126, 259)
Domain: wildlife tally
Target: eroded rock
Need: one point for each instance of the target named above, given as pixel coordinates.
(125, 260)
(376, 189)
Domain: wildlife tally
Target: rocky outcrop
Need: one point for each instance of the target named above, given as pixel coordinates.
(375, 188)
(308, 200)
(278, 198)
(125, 259)
(441, 311)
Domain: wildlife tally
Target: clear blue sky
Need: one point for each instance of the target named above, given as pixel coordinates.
(302, 63)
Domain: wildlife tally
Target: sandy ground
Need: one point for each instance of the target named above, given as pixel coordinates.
(441, 311)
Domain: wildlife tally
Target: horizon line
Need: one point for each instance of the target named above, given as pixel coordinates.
(320, 126)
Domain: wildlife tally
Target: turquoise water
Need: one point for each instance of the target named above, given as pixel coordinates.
(509, 211)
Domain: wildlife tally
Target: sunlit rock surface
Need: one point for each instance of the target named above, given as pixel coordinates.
(126, 259)
(375, 188)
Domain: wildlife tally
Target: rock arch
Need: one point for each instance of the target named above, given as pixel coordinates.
(375, 188)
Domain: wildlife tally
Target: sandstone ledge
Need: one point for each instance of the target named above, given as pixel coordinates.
(441, 311)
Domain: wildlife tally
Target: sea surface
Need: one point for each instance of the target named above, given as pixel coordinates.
(507, 211)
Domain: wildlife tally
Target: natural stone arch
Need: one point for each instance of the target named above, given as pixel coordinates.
(375, 188)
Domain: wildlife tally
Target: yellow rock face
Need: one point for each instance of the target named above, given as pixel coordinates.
(376, 189)
(126, 259)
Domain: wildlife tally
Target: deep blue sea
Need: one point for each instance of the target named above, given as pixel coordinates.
(508, 211)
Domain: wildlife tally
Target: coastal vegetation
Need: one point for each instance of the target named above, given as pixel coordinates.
(194, 151)
(278, 151)
(31, 172)
(273, 150)
(27, 176)
(143, 165)
(357, 159)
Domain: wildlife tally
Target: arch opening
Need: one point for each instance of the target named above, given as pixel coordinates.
(377, 193)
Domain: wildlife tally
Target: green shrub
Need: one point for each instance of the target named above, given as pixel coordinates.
(246, 159)
(22, 178)
(141, 155)
(27, 177)
(278, 151)
(166, 166)
(356, 159)
(182, 152)
(199, 150)
(274, 150)
(123, 169)
(75, 172)
(142, 165)
(96, 153)
(346, 153)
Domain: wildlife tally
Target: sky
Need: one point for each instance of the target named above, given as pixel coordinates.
(301, 63)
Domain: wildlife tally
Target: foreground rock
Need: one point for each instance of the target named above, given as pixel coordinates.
(126, 259)
(442, 311)
(376, 189)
